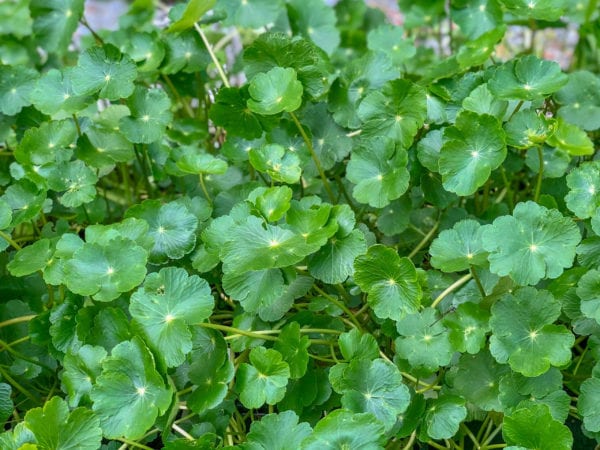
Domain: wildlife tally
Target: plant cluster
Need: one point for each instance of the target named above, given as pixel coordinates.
(277, 224)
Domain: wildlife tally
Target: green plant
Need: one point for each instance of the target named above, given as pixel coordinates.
(358, 244)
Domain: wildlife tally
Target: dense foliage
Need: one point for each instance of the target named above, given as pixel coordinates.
(270, 224)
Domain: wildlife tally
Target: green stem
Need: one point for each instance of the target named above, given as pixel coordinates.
(133, 443)
(185, 105)
(509, 193)
(142, 164)
(458, 283)
(424, 241)
(517, 108)
(340, 305)
(85, 23)
(478, 282)
(233, 331)
(15, 320)
(203, 186)
(411, 441)
(8, 239)
(538, 185)
(470, 434)
(19, 388)
(579, 361)
(125, 178)
(212, 55)
(76, 120)
(314, 156)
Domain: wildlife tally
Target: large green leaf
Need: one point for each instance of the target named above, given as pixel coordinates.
(251, 13)
(105, 271)
(165, 305)
(531, 244)
(534, 427)
(150, 115)
(55, 21)
(264, 380)
(81, 367)
(316, 21)
(129, 387)
(390, 282)
(277, 432)
(523, 333)
(584, 189)
(527, 78)
(378, 168)
(104, 70)
(16, 86)
(54, 427)
(424, 340)
(373, 386)
(172, 227)
(459, 248)
(344, 429)
(275, 91)
(472, 148)
(548, 10)
(397, 111)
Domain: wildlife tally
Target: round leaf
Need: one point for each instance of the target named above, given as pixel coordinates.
(523, 333)
(105, 271)
(527, 78)
(342, 428)
(532, 244)
(534, 427)
(106, 71)
(378, 169)
(584, 189)
(276, 91)
(165, 305)
(264, 380)
(172, 227)
(150, 115)
(459, 248)
(55, 427)
(473, 147)
(129, 387)
(390, 282)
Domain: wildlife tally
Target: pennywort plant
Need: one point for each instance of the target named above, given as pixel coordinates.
(285, 225)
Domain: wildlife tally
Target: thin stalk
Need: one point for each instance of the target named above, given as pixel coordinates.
(538, 185)
(411, 441)
(185, 105)
(490, 437)
(125, 179)
(580, 360)
(517, 108)
(17, 386)
(76, 120)
(424, 241)
(470, 434)
(212, 55)
(340, 305)
(142, 164)
(204, 190)
(314, 156)
(478, 282)
(182, 432)
(234, 331)
(509, 193)
(133, 443)
(85, 23)
(8, 239)
(458, 283)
